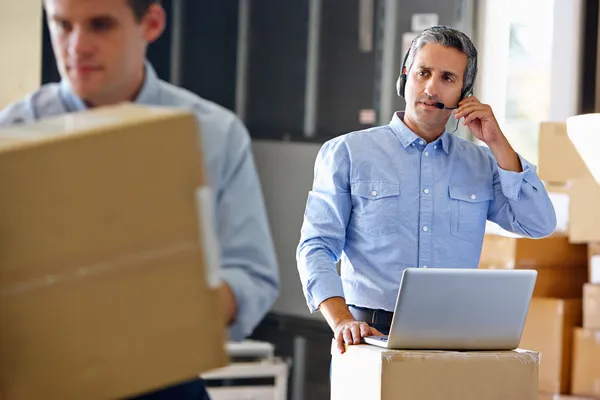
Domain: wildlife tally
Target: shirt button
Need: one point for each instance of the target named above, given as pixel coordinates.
(426, 154)
(473, 197)
(421, 142)
(435, 147)
(374, 193)
(426, 191)
(412, 144)
(425, 229)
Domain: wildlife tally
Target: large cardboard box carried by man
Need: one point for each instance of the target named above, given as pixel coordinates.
(108, 267)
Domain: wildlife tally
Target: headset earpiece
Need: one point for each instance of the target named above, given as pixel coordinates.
(401, 83)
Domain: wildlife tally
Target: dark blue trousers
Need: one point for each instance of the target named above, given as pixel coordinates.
(192, 390)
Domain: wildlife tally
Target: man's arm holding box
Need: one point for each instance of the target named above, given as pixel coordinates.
(249, 266)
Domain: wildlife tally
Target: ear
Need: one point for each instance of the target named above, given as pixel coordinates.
(154, 22)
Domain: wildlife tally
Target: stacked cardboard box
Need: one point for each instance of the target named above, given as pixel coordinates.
(586, 346)
(107, 288)
(568, 175)
(556, 307)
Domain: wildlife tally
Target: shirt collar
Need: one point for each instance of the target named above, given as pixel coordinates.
(407, 137)
(147, 95)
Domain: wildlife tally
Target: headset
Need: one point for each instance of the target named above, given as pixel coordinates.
(401, 83)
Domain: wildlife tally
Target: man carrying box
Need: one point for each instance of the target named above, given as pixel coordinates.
(100, 47)
(410, 194)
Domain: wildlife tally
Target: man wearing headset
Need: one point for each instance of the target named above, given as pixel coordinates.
(100, 47)
(410, 194)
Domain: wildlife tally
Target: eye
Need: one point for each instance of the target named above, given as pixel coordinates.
(448, 78)
(62, 25)
(423, 73)
(101, 24)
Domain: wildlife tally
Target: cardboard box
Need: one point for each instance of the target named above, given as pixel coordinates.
(516, 252)
(374, 373)
(591, 306)
(549, 331)
(558, 160)
(594, 262)
(107, 288)
(562, 266)
(559, 282)
(586, 363)
(584, 213)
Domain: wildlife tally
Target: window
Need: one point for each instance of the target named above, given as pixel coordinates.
(529, 65)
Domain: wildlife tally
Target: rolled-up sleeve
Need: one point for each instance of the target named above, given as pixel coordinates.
(16, 113)
(323, 231)
(521, 203)
(248, 258)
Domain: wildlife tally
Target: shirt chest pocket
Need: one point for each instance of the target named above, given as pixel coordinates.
(469, 207)
(375, 207)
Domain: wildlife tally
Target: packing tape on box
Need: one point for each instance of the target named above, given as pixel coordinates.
(208, 237)
(524, 356)
(208, 241)
(129, 261)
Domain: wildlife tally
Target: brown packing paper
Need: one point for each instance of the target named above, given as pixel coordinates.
(105, 288)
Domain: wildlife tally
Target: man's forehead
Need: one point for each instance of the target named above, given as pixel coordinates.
(85, 8)
(437, 57)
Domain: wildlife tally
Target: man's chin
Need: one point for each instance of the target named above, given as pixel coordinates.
(84, 91)
(427, 117)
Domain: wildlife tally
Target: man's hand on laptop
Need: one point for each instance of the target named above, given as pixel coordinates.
(345, 328)
(351, 331)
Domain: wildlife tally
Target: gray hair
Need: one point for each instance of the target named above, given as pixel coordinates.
(448, 37)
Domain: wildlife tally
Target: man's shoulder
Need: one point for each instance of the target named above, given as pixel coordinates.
(41, 103)
(361, 139)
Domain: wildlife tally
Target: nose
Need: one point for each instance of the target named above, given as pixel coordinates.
(80, 42)
(431, 87)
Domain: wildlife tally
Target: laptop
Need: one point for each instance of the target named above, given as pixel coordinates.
(459, 309)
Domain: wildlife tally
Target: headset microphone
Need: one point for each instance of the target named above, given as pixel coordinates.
(442, 106)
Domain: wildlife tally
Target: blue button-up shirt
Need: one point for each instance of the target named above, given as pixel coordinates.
(247, 252)
(384, 199)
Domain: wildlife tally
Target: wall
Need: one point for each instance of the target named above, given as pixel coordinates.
(286, 174)
(21, 47)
